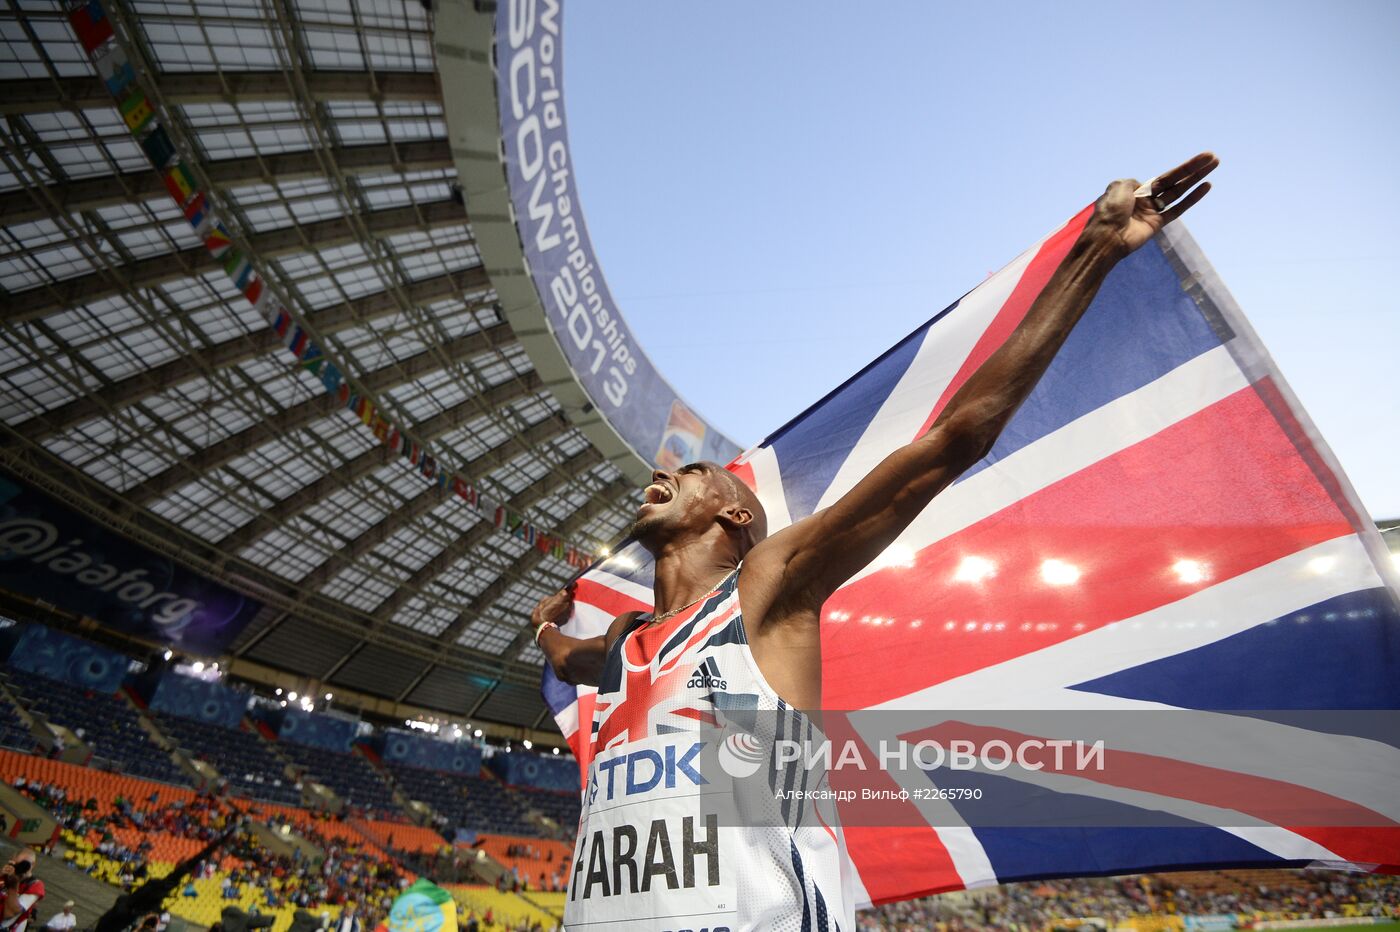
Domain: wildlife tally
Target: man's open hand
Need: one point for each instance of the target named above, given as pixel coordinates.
(554, 608)
(1126, 221)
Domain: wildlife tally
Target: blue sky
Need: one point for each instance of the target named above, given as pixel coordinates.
(778, 191)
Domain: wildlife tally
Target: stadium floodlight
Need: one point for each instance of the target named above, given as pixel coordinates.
(1191, 571)
(974, 569)
(528, 744)
(292, 696)
(1322, 565)
(1059, 573)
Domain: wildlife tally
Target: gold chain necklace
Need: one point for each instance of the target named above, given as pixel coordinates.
(676, 611)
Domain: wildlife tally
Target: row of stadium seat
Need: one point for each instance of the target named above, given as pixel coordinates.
(105, 722)
(352, 777)
(400, 836)
(241, 757)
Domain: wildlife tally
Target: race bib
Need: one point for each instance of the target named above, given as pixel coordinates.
(653, 851)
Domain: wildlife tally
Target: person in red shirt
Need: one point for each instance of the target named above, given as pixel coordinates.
(20, 892)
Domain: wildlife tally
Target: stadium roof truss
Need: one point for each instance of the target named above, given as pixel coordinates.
(142, 387)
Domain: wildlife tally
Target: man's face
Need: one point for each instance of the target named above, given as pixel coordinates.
(25, 856)
(680, 504)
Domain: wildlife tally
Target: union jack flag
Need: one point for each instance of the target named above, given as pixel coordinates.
(1159, 527)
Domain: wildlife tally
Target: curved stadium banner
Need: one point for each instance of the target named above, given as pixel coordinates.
(1159, 546)
(621, 381)
(396, 746)
(49, 552)
(58, 656)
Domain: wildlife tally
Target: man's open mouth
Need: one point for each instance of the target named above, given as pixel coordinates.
(657, 494)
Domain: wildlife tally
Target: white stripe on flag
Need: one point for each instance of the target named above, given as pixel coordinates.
(567, 719)
(771, 495)
(1234, 605)
(945, 348)
(1124, 421)
(625, 586)
(964, 849)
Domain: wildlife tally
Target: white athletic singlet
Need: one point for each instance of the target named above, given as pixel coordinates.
(651, 854)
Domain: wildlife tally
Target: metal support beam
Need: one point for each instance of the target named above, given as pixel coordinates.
(26, 205)
(45, 95)
(38, 468)
(524, 564)
(241, 349)
(542, 487)
(300, 415)
(38, 302)
(474, 537)
(361, 466)
(424, 502)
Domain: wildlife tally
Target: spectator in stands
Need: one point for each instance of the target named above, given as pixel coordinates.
(349, 921)
(21, 891)
(64, 920)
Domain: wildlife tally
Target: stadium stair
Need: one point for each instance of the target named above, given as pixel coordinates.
(18, 729)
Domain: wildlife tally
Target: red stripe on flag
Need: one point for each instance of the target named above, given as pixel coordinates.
(610, 600)
(1224, 488)
(744, 473)
(1047, 260)
(1353, 831)
(582, 739)
(900, 857)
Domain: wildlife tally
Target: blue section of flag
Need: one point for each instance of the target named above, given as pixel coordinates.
(1292, 662)
(1026, 854)
(811, 449)
(1141, 326)
(1101, 837)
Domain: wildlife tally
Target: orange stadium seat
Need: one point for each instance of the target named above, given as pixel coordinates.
(399, 836)
(551, 857)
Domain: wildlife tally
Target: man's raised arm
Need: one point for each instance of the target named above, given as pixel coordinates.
(819, 554)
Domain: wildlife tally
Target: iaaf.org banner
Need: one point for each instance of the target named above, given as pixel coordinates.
(51, 553)
(623, 384)
(1020, 769)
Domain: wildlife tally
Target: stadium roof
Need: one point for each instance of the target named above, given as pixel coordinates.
(141, 386)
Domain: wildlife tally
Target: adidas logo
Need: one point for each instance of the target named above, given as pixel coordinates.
(707, 676)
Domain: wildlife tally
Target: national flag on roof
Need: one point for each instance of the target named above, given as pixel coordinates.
(90, 24)
(1159, 527)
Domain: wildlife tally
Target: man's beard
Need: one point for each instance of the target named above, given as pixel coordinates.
(645, 528)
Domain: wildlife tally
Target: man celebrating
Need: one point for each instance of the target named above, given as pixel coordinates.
(648, 854)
